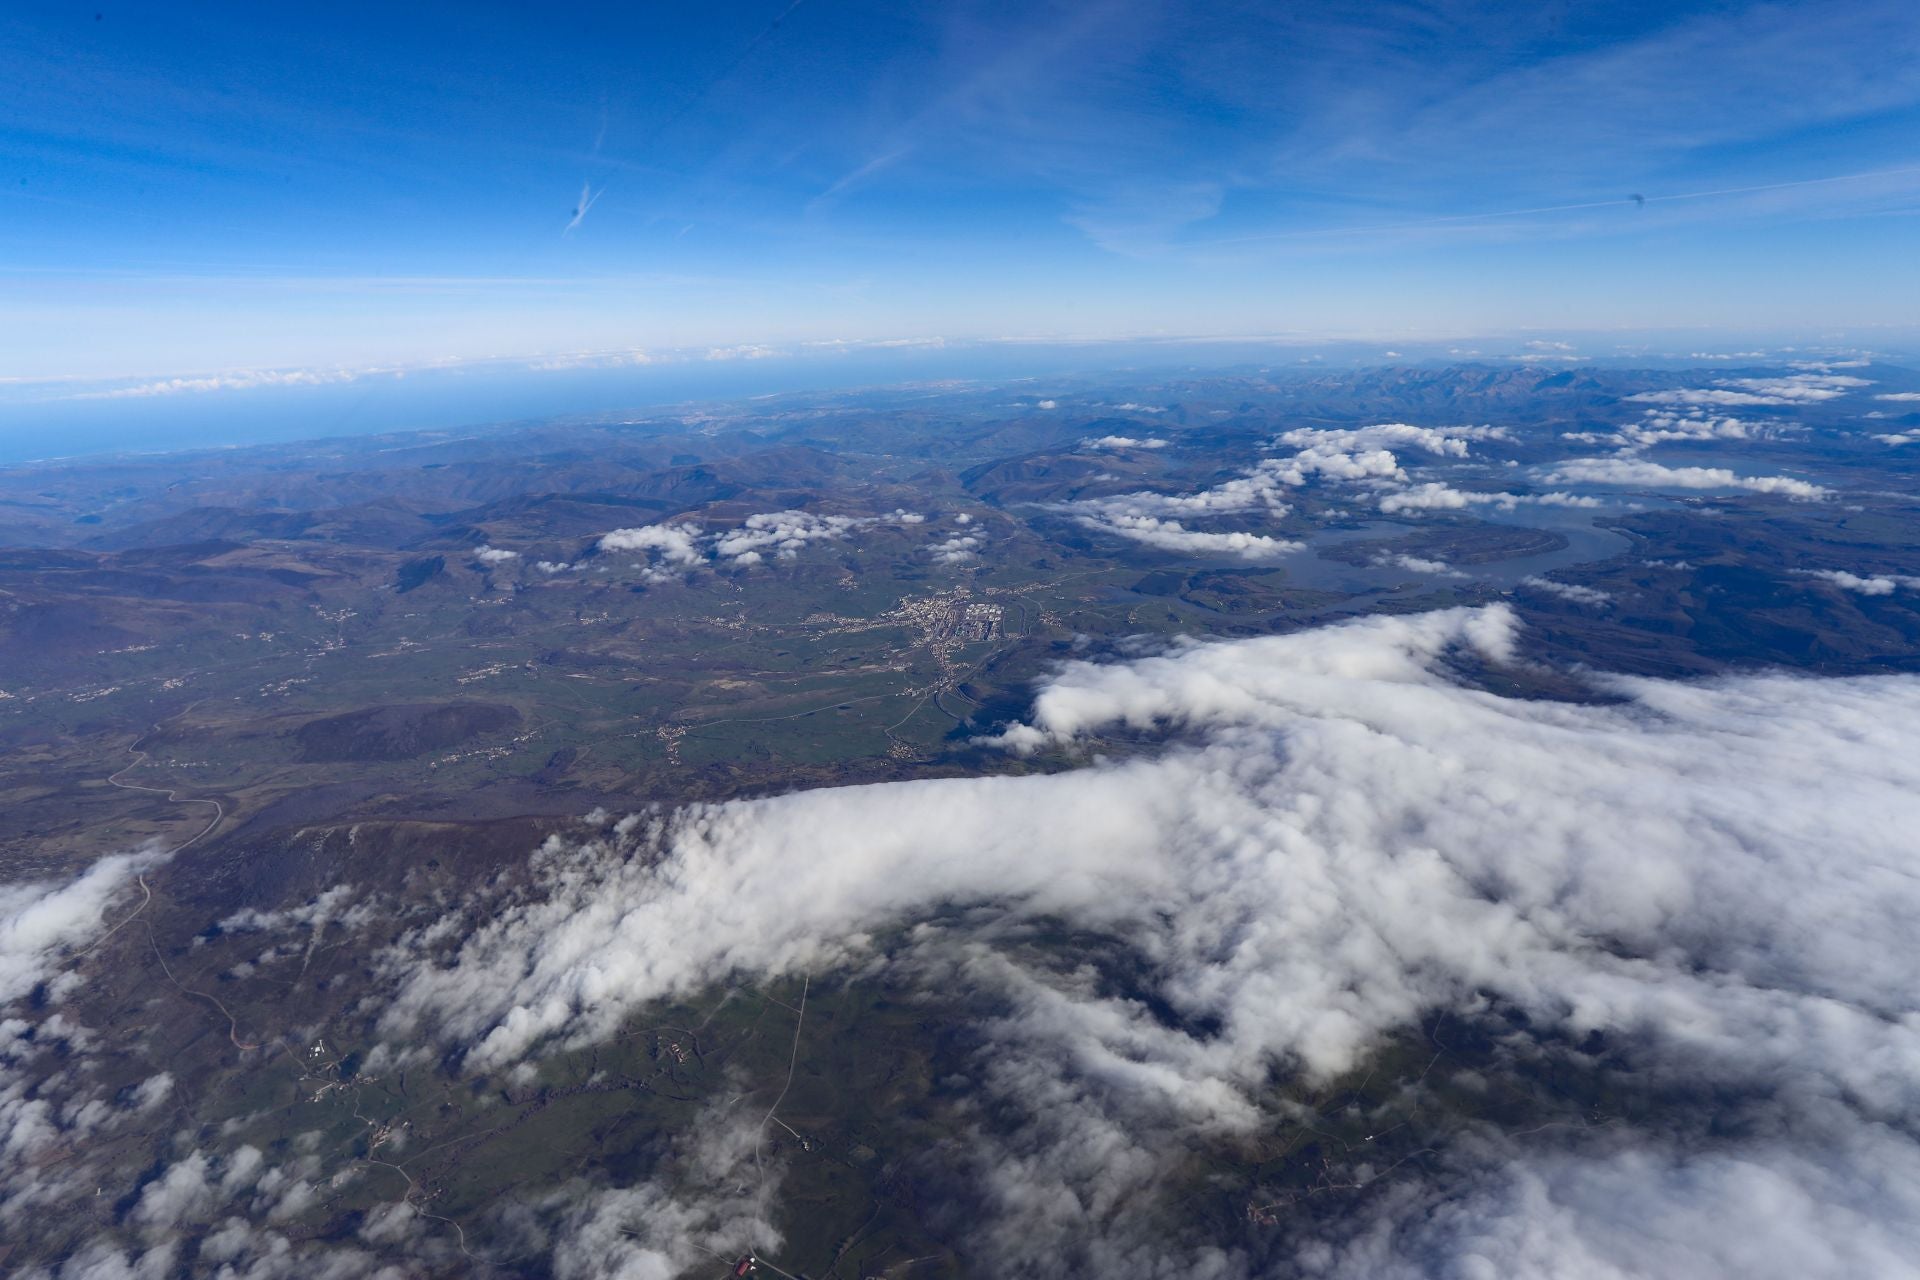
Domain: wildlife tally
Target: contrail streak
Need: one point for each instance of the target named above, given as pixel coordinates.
(588, 196)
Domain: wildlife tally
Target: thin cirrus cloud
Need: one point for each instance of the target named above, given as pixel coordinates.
(1643, 96)
(982, 159)
(1713, 874)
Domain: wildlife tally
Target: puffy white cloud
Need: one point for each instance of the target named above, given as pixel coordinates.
(1156, 519)
(1657, 426)
(782, 533)
(340, 907)
(675, 548)
(1360, 456)
(495, 555)
(1901, 396)
(670, 550)
(152, 1091)
(1652, 475)
(1338, 838)
(1365, 454)
(785, 533)
(1333, 463)
(1433, 496)
(1420, 564)
(670, 544)
(335, 904)
(719, 1202)
(195, 1190)
(99, 1260)
(187, 1190)
(1346, 455)
(1843, 1202)
(955, 550)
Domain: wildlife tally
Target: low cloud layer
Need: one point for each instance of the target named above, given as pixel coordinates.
(1338, 838)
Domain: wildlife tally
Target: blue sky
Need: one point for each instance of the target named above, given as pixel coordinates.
(196, 188)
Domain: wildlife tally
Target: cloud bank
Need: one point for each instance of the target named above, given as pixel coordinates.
(1336, 838)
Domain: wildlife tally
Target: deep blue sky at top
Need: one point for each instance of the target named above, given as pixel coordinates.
(206, 186)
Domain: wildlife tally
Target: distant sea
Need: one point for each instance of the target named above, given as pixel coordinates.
(38, 429)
